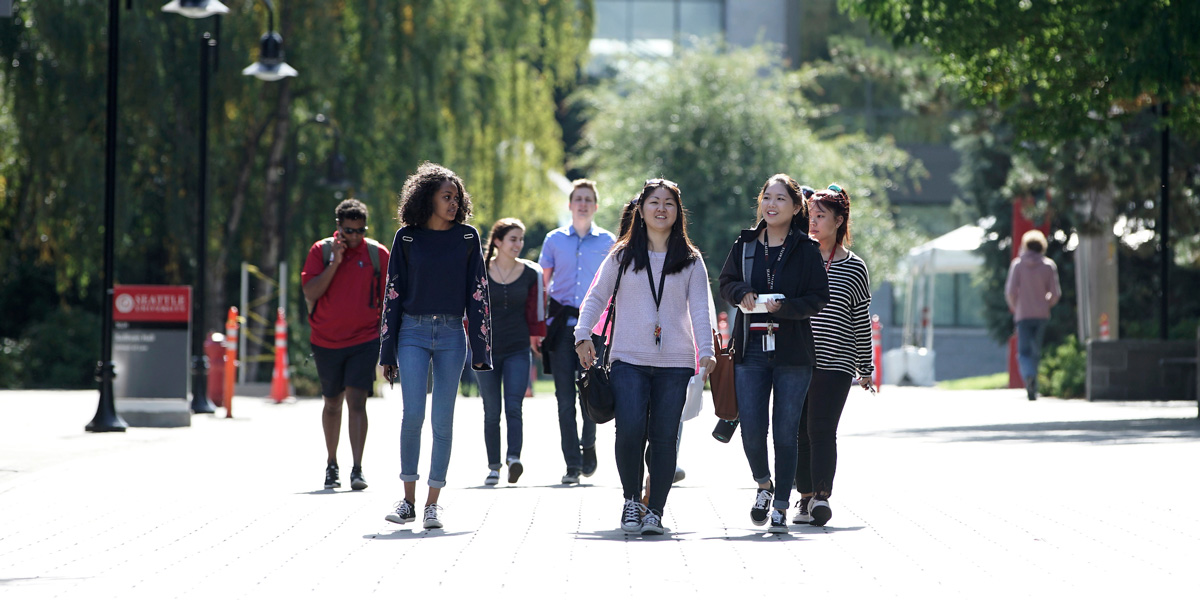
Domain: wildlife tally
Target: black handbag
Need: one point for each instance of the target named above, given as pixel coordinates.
(595, 390)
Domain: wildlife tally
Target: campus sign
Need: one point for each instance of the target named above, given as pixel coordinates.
(151, 336)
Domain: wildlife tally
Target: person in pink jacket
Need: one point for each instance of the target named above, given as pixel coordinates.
(1032, 288)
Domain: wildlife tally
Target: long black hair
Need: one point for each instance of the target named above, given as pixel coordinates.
(416, 200)
(634, 246)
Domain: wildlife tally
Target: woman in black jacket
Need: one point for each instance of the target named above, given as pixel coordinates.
(772, 338)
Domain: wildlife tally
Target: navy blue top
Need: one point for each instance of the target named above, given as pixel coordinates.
(437, 273)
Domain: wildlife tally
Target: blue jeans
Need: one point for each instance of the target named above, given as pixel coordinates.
(754, 379)
(426, 339)
(1029, 347)
(564, 363)
(649, 403)
(513, 372)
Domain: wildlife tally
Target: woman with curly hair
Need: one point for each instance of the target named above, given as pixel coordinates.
(436, 274)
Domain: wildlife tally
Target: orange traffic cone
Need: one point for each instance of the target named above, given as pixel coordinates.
(231, 344)
(280, 384)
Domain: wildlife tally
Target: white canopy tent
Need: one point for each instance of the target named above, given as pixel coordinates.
(954, 252)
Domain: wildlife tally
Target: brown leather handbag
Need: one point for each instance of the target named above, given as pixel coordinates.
(721, 381)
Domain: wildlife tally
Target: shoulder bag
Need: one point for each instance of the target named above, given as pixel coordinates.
(595, 390)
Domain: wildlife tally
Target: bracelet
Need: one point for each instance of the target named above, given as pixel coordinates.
(580, 342)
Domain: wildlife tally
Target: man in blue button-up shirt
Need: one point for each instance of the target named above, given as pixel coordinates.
(570, 258)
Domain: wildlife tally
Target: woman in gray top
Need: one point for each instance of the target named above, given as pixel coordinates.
(518, 309)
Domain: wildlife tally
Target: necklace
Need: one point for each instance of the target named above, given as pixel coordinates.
(506, 278)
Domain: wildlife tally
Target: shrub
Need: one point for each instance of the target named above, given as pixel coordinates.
(1063, 370)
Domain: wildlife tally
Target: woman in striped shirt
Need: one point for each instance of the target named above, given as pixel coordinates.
(842, 332)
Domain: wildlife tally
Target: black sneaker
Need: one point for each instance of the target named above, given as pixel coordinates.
(778, 521)
(357, 481)
(589, 461)
(332, 479)
(652, 524)
(802, 515)
(571, 477)
(819, 509)
(762, 506)
(405, 513)
(514, 469)
(631, 516)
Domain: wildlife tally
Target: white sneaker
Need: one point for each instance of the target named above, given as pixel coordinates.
(652, 524)
(433, 517)
(820, 511)
(493, 478)
(631, 516)
(778, 522)
(514, 469)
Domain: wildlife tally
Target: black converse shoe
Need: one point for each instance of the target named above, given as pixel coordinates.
(802, 515)
(652, 524)
(762, 505)
(631, 516)
(778, 521)
(819, 509)
(514, 469)
(357, 481)
(332, 479)
(493, 478)
(405, 513)
(589, 461)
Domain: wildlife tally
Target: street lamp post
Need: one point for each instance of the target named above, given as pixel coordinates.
(270, 65)
(201, 9)
(106, 418)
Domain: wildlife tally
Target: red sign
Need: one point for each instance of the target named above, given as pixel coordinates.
(158, 303)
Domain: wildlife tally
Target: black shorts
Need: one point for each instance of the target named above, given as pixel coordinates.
(340, 368)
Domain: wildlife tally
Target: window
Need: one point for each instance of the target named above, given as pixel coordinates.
(651, 27)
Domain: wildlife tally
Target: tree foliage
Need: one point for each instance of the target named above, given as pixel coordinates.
(720, 121)
(1064, 67)
(468, 83)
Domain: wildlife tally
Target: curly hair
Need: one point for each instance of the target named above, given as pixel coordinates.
(416, 200)
(350, 210)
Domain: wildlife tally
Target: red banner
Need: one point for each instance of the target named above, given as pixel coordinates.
(156, 303)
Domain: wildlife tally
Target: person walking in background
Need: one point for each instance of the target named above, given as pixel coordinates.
(661, 319)
(435, 275)
(343, 288)
(570, 257)
(773, 340)
(842, 338)
(518, 308)
(1031, 290)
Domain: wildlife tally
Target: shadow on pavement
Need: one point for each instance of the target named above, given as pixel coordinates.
(760, 535)
(412, 534)
(1130, 431)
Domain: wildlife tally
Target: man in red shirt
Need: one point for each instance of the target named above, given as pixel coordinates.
(343, 282)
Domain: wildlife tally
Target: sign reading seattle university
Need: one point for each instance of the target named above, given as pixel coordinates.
(151, 340)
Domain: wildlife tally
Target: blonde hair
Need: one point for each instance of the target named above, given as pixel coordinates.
(1034, 240)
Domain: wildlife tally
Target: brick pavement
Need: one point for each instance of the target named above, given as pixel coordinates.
(939, 494)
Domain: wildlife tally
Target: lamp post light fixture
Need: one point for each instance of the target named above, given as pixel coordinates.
(270, 65)
(196, 9)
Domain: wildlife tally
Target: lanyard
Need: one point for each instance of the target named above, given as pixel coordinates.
(657, 295)
(773, 267)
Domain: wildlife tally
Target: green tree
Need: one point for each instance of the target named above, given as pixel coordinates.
(468, 83)
(721, 120)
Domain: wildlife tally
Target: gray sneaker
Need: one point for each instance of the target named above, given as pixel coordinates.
(820, 511)
(571, 477)
(652, 524)
(433, 517)
(405, 513)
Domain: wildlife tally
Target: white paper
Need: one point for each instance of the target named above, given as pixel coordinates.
(760, 303)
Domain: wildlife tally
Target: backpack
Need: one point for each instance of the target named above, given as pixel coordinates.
(372, 252)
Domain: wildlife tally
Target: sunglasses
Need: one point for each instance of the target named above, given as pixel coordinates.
(351, 230)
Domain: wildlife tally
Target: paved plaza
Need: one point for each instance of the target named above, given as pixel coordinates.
(939, 494)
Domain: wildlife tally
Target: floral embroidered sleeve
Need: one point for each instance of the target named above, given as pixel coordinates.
(393, 300)
(479, 317)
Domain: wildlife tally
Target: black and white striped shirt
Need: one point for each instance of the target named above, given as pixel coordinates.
(842, 330)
